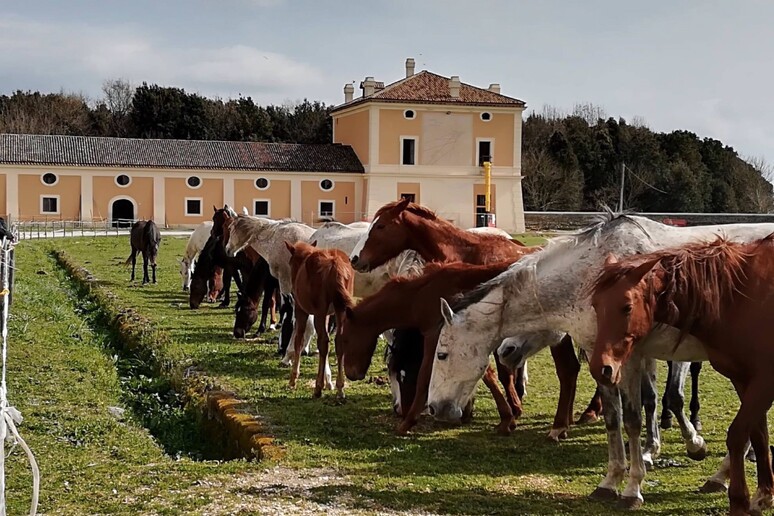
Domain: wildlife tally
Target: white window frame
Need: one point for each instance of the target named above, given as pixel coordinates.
(481, 116)
(491, 149)
(58, 204)
(201, 206)
(416, 150)
(201, 182)
(268, 184)
(119, 185)
(319, 207)
(333, 184)
(405, 114)
(268, 208)
(52, 184)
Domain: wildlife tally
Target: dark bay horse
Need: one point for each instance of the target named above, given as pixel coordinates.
(405, 303)
(214, 271)
(259, 283)
(402, 225)
(144, 238)
(323, 282)
(720, 296)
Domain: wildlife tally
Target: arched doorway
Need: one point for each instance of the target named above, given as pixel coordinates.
(122, 213)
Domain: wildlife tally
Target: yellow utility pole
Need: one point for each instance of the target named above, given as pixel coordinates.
(488, 185)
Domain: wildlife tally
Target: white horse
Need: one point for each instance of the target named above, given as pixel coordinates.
(548, 291)
(195, 244)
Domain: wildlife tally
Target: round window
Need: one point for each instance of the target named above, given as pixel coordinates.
(123, 180)
(262, 183)
(409, 113)
(486, 117)
(326, 184)
(194, 182)
(49, 178)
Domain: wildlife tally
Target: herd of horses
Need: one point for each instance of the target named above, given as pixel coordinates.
(627, 291)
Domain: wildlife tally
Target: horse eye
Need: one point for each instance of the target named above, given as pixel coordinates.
(627, 309)
(442, 356)
(380, 226)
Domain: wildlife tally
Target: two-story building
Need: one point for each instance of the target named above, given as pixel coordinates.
(424, 137)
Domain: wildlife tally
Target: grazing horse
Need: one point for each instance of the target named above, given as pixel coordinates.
(402, 225)
(213, 273)
(144, 238)
(196, 243)
(259, 282)
(405, 303)
(323, 282)
(720, 293)
(547, 291)
(403, 356)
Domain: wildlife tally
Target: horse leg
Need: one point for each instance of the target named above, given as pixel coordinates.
(519, 381)
(631, 385)
(153, 267)
(411, 416)
(301, 318)
(695, 370)
(764, 495)
(507, 421)
(666, 413)
(145, 277)
(506, 377)
(228, 275)
(340, 379)
(322, 345)
(276, 302)
(648, 398)
(133, 257)
(567, 369)
(265, 305)
(675, 396)
(616, 462)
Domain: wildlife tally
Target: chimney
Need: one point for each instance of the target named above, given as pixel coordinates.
(494, 88)
(369, 86)
(349, 92)
(454, 86)
(409, 67)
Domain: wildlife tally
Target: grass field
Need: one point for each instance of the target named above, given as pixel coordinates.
(339, 457)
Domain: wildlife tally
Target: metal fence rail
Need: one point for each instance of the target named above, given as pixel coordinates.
(51, 228)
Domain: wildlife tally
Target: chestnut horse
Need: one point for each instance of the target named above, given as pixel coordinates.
(323, 282)
(404, 225)
(720, 294)
(405, 303)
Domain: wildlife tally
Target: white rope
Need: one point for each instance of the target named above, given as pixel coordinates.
(10, 415)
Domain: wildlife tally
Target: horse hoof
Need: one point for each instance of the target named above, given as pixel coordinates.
(603, 494)
(317, 392)
(713, 486)
(403, 428)
(588, 418)
(630, 502)
(504, 428)
(557, 434)
(699, 454)
(697, 425)
(666, 423)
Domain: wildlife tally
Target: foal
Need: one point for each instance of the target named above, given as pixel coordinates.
(720, 293)
(144, 238)
(323, 282)
(413, 303)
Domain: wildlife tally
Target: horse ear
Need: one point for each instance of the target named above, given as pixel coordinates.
(402, 204)
(290, 247)
(446, 312)
(314, 243)
(610, 259)
(214, 209)
(639, 272)
(244, 210)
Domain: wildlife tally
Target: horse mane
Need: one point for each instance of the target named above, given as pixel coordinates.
(416, 209)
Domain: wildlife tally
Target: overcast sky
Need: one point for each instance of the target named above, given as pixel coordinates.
(706, 66)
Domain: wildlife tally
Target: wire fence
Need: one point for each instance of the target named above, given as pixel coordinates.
(51, 228)
(9, 415)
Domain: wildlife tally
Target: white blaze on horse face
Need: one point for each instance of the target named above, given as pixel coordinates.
(362, 242)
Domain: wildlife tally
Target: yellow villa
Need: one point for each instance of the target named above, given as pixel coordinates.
(425, 137)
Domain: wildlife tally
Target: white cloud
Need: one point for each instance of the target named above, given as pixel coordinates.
(81, 57)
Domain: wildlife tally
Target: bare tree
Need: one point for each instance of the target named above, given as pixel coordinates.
(639, 122)
(589, 112)
(551, 113)
(763, 167)
(548, 186)
(117, 98)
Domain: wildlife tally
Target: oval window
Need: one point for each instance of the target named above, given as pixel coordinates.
(262, 183)
(326, 185)
(49, 178)
(409, 113)
(123, 180)
(194, 182)
(486, 117)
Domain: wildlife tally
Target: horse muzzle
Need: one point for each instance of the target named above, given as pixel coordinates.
(358, 264)
(445, 411)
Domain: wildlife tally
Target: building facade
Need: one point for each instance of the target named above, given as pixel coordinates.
(425, 137)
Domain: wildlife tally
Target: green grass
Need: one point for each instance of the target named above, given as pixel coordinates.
(62, 380)
(532, 238)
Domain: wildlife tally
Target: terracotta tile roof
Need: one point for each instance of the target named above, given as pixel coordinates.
(429, 88)
(32, 149)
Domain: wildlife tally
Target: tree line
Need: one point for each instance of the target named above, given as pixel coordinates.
(570, 161)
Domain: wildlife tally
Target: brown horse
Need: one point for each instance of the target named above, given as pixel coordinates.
(720, 294)
(144, 238)
(404, 225)
(323, 282)
(413, 303)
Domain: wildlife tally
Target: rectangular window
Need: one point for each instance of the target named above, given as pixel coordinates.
(408, 151)
(484, 152)
(49, 204)
(480, 203)
(327, 208)
(193, 206)
(261, 208)
(410, 196)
